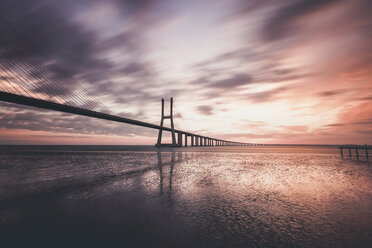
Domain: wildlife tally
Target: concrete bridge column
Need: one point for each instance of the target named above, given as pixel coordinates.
(180, 139)
(186, 140)
(192, 140)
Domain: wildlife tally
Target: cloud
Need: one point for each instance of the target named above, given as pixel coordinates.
(232, 82)
(205, 109)
(283, 23)
(297, 129)
(265, 96)
(329, 93)
(43, 120)
(135, 68)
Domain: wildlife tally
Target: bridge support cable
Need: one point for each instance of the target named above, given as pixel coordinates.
(37, 67)
(25, 59)
(28, 52)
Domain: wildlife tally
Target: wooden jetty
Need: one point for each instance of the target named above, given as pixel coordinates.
(358, 152)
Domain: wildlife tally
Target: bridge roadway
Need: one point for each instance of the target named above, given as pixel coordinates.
(196, 140)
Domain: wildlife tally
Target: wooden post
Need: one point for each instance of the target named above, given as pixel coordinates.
(349, 152)
(356, 152)
(367, 153)
(342, 155)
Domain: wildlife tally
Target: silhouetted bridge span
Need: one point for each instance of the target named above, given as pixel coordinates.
(196, 140)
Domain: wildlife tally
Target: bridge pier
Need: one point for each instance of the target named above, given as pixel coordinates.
(186, 140)
(192, 140)
(170, 116)
(179, 139)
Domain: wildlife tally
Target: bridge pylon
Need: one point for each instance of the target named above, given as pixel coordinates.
(170, 116)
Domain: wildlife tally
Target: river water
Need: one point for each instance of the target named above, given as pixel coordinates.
(190, 197)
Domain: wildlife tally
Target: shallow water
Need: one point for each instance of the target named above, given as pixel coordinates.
(209, 197)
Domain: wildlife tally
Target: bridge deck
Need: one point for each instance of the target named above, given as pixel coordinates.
(28, 101)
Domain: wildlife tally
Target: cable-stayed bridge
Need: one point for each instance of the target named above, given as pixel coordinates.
(28, 77)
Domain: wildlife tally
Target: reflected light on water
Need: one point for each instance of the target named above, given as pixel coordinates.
(188, 199)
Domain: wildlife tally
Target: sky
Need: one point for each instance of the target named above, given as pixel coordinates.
(289, 71)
